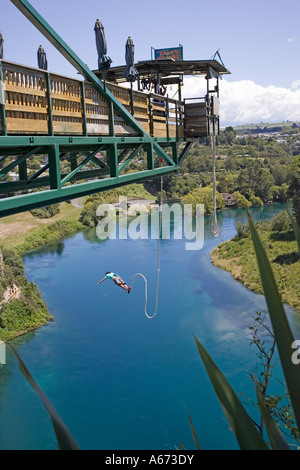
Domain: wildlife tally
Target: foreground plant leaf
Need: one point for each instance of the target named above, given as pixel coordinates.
(64, 438)
(277, 440)
(194, 433)
(241, 424)
(281, 328)
(295, 228)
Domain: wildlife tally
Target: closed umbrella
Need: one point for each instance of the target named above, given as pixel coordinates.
(131, 74)
(1, 47)
(42, 59)
(104, 60)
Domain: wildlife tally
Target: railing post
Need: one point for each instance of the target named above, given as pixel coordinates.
(111, 121)
(151, 131)
(131, 100)
(49, 104)
(83, 106)
(176, 113)
(167, 117)
(3, 127)
(54, 167)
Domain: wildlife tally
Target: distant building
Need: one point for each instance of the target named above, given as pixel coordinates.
(228, 199)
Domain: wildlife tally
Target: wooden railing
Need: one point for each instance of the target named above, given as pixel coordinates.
(38, 102)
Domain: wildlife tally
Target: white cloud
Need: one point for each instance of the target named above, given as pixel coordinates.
(295, 84)
(291, 39)
(247, 102)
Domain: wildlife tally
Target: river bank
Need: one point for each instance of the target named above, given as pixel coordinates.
(24, 233)
(19, 235)
(237, 257)
(18, 231)
(101, 362)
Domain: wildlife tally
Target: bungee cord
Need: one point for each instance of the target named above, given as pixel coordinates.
(158, 262)
(215, 228)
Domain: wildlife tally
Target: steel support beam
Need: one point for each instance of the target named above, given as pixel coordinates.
(130, 158)
(18, 162)
(116, 147)
(54, 167)
(78, 168)
(39, 22)
(184, 152)
(25, 202)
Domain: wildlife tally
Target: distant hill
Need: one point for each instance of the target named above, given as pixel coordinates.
(265, 127)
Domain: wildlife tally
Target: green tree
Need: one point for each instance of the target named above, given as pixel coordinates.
(279, 173)
(227, 183)
(230, 163)
(255, 201)
(280, 193)
(281, 222)
(241, 201)
(203, 196)
(263, 187)
(294, 187)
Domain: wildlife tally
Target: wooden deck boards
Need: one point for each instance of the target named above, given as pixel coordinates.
(28, 107)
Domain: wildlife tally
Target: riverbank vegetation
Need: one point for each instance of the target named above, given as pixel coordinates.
(249, 433)
(15, 230)
(252, 167)
(22, 308)
(237, 256)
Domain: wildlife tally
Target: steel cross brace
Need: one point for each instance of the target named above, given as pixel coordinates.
(39, 22)
(25, 202)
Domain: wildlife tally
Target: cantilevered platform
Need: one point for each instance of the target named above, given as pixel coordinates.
(38, 102)
(42, 103)
(87, 132)
(167, 68)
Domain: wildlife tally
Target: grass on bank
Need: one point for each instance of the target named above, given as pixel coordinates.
(22, 233)
(25, 232)
(15, 229)
(238, 257)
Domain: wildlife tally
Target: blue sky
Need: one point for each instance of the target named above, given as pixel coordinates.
(258, 41)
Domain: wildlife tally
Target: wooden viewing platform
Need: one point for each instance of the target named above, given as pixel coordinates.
(86, 132)
(38, 102)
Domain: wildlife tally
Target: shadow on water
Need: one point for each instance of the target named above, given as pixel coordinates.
(56, 248)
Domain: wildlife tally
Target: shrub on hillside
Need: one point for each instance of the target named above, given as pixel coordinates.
(46, 212)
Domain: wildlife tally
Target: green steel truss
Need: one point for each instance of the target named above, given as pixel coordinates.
(49, 184)
(108, 174)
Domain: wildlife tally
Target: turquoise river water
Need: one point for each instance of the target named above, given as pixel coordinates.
(118, 379)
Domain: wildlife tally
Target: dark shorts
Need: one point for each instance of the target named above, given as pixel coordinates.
(118, 280)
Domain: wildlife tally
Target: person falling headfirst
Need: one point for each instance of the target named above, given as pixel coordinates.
(117, 280)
